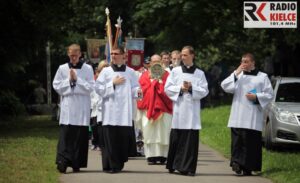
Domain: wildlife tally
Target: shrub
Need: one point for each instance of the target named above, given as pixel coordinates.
(10, 105)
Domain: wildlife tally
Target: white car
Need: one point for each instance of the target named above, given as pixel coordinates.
(282, 116)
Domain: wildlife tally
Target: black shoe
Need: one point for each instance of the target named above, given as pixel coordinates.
(183, 172)
(171, 170)
(151, 161)
(191, 174)
(115, 170)
(61, 167)
(106, 170)
(76, 170)
(236, 167)
(247, 172)
(162, 161)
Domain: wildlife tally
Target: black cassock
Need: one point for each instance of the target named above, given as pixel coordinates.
(183, 150)
(246, 148)
(118, 144)
(72, 147)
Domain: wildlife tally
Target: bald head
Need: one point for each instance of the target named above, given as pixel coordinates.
(155, 58)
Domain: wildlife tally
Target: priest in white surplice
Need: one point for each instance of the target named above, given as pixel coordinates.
(117, 85)
(73, 81)
(186, 86)
(252, 92)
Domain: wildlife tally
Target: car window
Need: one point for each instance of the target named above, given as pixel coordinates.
(288, 92)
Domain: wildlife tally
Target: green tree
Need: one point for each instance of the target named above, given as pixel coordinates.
(214, 28)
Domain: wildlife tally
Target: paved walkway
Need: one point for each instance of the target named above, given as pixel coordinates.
(212, 168)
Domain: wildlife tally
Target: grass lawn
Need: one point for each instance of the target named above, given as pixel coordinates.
(27, 150)
(280, 166)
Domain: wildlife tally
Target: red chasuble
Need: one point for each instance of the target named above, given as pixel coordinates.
(155, 100)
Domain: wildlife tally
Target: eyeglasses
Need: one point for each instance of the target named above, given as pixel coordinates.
(115, 53)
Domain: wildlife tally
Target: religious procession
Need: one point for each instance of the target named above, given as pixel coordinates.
(151, 107)
(149, 91)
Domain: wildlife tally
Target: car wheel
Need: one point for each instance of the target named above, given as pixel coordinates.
(268, 141)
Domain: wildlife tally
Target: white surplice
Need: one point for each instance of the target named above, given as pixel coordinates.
(244, 113)
(94, 103)
(75, 102)
(118, 100)
(186, 108)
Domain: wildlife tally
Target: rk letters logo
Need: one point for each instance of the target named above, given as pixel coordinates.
(265, 14)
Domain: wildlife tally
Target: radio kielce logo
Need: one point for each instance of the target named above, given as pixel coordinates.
(270, 14)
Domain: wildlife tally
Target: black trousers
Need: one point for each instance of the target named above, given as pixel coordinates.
(95, 136)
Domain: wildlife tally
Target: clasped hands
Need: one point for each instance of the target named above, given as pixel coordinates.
(73, 76)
